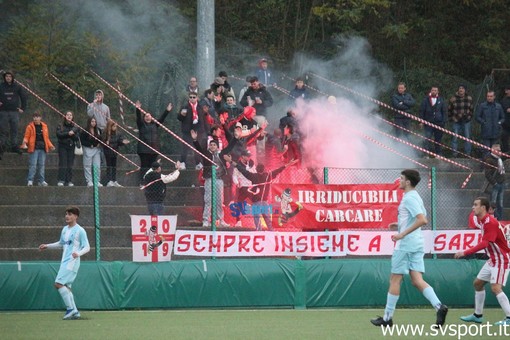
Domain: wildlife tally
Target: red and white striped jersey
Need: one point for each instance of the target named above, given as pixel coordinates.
(495, 241)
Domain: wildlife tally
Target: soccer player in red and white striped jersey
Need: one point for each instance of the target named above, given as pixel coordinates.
(496, 269)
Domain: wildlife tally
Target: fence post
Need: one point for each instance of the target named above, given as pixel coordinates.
(213, 198)
(433, 201)
(326, 181)
(96, 171)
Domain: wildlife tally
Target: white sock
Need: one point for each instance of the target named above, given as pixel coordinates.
(64, 293)
(432, 297)
(71, 298)
(479, 301)
(504, 303)
(391, 304)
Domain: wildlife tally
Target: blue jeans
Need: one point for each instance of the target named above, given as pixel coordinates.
(463, 129)
(36, 159)
(438, 136)
(404, 123)
(497, 194)
(155, 209)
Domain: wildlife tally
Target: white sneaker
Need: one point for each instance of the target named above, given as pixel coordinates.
(89, 184)
(199, 166)
(61, 184)
(183, 166)
(70, 184)
(30, 183)
(43, 184)
(110, 184)
(117, 184)
(99, 185)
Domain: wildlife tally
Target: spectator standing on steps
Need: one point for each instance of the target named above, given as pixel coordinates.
(13, 102)
(460, 113)
(402, 101)
(155, 187)
(37, 143)
(505, 133)
(68, 138)
(433, 109)
(495, 175)
(490, 116)
(148, 133)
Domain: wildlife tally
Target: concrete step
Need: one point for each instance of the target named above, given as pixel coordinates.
(15, 160)
(52, 195)
(116, 216)
(17, 176)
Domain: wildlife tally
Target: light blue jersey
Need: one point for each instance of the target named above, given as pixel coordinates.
(73, 239)
(410, 207)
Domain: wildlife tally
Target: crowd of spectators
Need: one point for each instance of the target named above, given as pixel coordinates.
(236, 127)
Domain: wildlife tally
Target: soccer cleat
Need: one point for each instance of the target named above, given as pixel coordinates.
(505, 321)
(379, 322)
(69, 314)
(441, 315)
(76, 315)
(471, 318)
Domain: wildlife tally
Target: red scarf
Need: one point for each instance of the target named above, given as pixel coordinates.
(432, 103)
(195, 112)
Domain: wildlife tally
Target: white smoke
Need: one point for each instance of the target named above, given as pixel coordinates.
(348, 134)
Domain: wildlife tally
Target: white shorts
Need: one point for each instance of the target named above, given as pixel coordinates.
(497, 275)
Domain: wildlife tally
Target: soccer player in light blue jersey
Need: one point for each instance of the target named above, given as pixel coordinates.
(408, 255)
(75, 243)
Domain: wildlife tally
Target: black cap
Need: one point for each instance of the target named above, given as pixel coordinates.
(223, 74)
(155, 165)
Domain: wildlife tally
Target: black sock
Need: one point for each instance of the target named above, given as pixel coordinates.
(478, 315)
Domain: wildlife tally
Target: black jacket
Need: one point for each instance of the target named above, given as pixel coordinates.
(261, 192)
(207, 172)
(12, 97)
(263, 94)
(156, 192)
(64, 140)
(88, 139)
(148, 133)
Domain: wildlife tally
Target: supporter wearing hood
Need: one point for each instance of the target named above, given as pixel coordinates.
(13, 101)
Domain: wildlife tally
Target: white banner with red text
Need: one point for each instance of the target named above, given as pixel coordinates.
(335, 206)
(315, 244)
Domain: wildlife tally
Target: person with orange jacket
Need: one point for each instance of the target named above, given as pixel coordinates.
(37, 143)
